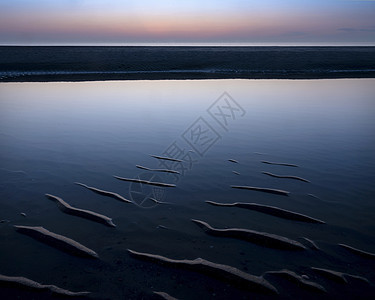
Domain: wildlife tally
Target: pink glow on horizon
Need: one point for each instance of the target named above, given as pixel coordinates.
(109, 27)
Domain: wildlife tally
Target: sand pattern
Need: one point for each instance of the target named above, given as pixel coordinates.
(270, 210)
(23, 282)
(161, 184)
(311, 244)
(268, 283)
(286, 176)
(166, 158)
(56, 240)
(333, 275)
(157, 170)
(261, 189)
(256, 237)
(339, 277)
(225, 272)
(359, 252)
(279, 164)
(165, 296)
(299, 280)
(105, 193)
(159, 202)
(82, 213)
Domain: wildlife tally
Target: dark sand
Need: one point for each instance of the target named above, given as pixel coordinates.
(40, 63)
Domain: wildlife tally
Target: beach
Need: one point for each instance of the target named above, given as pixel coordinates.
(183, 150)
(212, 189)
(52, 63)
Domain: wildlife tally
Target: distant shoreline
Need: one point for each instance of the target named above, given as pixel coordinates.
(100, 63)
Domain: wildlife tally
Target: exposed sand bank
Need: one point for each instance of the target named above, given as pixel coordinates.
(21, 64)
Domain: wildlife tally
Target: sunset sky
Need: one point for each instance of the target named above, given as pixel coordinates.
(187, 21)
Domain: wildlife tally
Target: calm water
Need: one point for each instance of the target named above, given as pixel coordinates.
(55, 134)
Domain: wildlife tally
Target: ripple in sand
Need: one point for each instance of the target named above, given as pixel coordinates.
(158, 202)
(162, 227)
(286, 176)
(339, 276)
(56, 240)
(260, 189)
(235, 172)
(358, 251)
(20, 172)
(311, 244)
(166, 158)
(158, 170)
(228, 273)
(23, 282)
(86, 214)
(270, 210)
(279, 164)
(325, 201)
(105, 193)
(256, 237)
(299, 280)
(161, 184)
(165, 296)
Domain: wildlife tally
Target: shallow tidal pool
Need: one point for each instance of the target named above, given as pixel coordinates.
(217, 134)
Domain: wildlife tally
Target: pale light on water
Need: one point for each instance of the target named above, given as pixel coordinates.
(55, 134)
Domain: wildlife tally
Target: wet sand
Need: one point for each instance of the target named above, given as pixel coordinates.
(39, 63)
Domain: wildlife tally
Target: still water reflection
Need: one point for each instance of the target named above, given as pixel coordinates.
(55, 134)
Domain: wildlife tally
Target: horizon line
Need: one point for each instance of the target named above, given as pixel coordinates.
(197, 44)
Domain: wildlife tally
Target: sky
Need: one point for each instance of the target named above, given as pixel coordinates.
(71, 22)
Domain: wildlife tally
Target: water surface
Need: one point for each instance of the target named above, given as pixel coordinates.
(55, 134)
